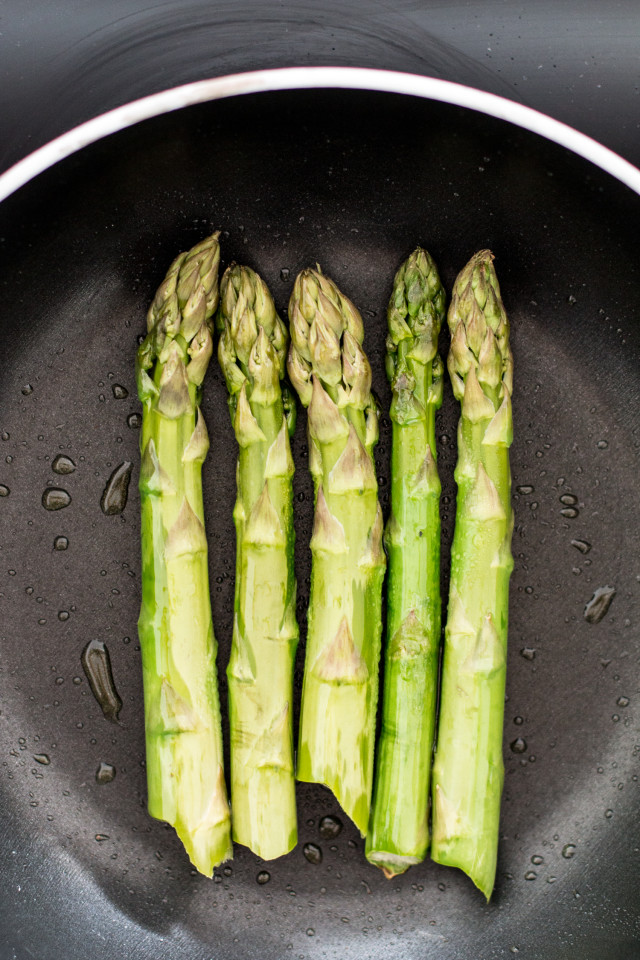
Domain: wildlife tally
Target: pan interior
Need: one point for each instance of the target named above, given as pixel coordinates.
(353, 181)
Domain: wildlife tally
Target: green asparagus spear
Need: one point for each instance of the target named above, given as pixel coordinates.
(252, 352)
(332, 376)
(182, 716)
(468, 770)
(398, 831)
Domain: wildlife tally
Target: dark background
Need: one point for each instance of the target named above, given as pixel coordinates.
(65, 61)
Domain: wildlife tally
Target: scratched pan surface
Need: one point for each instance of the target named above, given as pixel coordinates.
(353, 181)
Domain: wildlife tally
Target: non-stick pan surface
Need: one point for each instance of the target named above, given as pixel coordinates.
(353, 181)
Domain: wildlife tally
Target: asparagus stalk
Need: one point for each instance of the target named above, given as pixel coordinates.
(252, 352)
(332, 376)
(398, 832)
(468, 770)
(185, 775)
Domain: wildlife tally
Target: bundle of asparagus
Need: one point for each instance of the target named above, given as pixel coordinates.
(252, 352)
(332, 376)
(185, 776)
(398, 832)
(468, 770)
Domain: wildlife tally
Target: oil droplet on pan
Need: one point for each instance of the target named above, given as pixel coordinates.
(330, 827)
(581, 545)
(54, 498)
(599, 604)
(97, 667)
(4, 490)
(263, 877)
(63, 465)
(60, 543)
(119, 392)
(312, 853)
(42, 758)
(105, 772)
(114, 496)
(568, 850)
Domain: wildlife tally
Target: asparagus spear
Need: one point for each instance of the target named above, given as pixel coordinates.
(398, 831)
(252, 352)
(468, 770)
(331, 374)
(182, 716)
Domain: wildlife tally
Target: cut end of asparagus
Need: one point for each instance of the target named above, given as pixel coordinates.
(456, 854)
(392, 865)
(207, 849)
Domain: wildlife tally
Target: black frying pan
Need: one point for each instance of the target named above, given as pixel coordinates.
(353, 180)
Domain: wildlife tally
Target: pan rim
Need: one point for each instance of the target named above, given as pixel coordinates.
(316, 77)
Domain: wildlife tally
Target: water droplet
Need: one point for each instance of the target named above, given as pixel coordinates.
(105, 772)
(570, 513)
(528, 653)
(608, 814)
(100, 837)
(312, 853)
(518, 721)
(227, 871)
(134, 420)
(551, 879)
(518, 745)
(119, 392)
(263, 877)
(5, 435)
(525, 490)
(528, 590)
(537, 859)
(602, 444)
(42, 758)
(284, 274)
(63, 615)
(329, 827)
(530, 875)
(114, 496)
(569, 499)
(63, 465)
(97, 667)
(27, 389)
(571, 299)
(623, 701)
(311, 932)
(4, 490)
(54, 498)
(615, 718)
(60, 543)
(568, 850)
(581, 545)
(599, 604)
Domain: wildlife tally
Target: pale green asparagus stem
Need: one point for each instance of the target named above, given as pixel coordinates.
(252, 352)
(398, 831)
(468, 770)
(185, 775)
(331, 374)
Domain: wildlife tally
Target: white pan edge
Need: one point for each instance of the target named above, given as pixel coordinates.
(300, 78)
